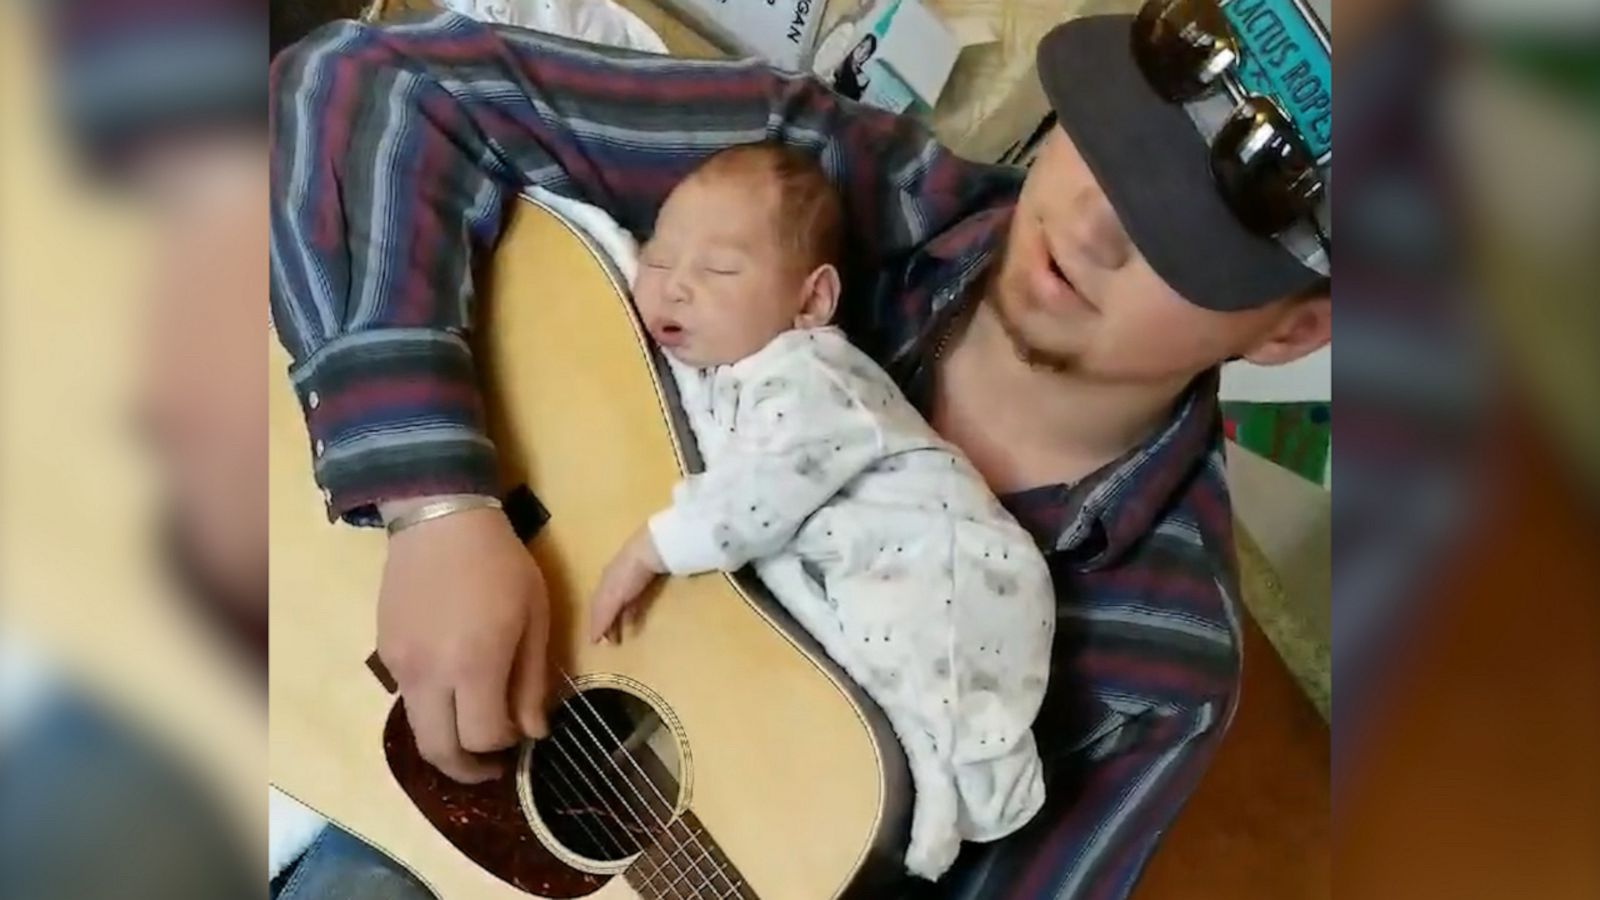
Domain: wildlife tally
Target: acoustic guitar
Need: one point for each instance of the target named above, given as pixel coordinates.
(716, 752)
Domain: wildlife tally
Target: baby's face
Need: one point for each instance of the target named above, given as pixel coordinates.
(715, 283)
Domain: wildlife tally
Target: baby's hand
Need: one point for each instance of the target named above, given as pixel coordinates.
(627, 576)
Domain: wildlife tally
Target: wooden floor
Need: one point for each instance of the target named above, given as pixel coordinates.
(1258, 826)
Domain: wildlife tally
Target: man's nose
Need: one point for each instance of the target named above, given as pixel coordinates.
(1093, 228)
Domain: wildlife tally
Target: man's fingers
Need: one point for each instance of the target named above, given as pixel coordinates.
(483, 711)
(432, 714)
(484, 719)
(528, 689)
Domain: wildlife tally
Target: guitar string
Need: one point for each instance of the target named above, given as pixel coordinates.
(720, 896)
(673, 856)
(733, 884)
(581, 811)
(642, 851)
(620, 844)
(645, 878)
(560, 745)
(561, 796)
(666, 826)
(704, 853)
(598, 795)
(598, 770)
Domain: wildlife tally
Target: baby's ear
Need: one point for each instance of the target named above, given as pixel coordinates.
(819, 297)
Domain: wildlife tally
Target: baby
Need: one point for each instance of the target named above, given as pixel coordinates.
(876, 535)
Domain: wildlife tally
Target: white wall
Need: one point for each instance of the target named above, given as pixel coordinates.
(1310, 378)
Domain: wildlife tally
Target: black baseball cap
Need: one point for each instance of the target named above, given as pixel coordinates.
(1152, 159)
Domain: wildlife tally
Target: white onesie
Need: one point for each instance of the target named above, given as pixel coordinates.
(886, 545)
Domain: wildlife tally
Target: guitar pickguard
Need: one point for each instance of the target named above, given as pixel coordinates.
(483, 821)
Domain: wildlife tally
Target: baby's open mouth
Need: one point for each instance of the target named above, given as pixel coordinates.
(669, 334)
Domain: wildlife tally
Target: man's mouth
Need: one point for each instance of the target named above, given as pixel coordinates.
(1055, 269)
(1052, 287)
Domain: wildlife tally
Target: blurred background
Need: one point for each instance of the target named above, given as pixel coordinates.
(1466, 587)
(132, 563)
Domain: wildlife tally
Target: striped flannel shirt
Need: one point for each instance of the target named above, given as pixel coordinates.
(396, 150)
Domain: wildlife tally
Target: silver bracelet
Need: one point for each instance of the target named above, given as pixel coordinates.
(438, 509)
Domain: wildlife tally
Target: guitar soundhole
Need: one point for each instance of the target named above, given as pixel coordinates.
(605, 784)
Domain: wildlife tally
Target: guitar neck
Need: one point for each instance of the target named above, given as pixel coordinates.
(687, 863)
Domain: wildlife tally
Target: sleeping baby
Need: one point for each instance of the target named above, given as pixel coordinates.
(872, 531)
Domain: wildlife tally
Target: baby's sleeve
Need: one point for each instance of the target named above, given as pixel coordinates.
(801, 434)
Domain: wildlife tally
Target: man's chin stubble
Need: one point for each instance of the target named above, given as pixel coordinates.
(1032, 356)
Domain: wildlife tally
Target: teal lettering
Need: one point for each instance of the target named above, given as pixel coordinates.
(1293, 77)
(1255, 24)
(1244, 9)
(1322, 127)
(1277, 52)
(1273, 29)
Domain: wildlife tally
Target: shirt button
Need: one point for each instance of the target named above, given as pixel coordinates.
(313, 400)
(320, 447)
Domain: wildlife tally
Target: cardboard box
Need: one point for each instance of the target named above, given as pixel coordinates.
(993, 102)
(919, 50)
(783, 32)
(897, 56)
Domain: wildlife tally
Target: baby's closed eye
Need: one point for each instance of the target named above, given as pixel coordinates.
(719, 263)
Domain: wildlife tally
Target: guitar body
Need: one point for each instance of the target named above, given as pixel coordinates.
(715, 752)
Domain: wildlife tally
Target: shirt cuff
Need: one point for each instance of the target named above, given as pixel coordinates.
(685, 545)
(394, 414)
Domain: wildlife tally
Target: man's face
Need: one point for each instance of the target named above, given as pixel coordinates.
(203, 390)
(1074, 293)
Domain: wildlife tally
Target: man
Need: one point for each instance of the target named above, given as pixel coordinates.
(1063, 329)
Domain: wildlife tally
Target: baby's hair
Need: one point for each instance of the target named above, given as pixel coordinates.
(810, 215)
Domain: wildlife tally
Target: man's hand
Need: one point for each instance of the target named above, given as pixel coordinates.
(627, 576)
(463, 624)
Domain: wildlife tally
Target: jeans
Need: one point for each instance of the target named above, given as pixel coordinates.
(338, 866)
(92, 809)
